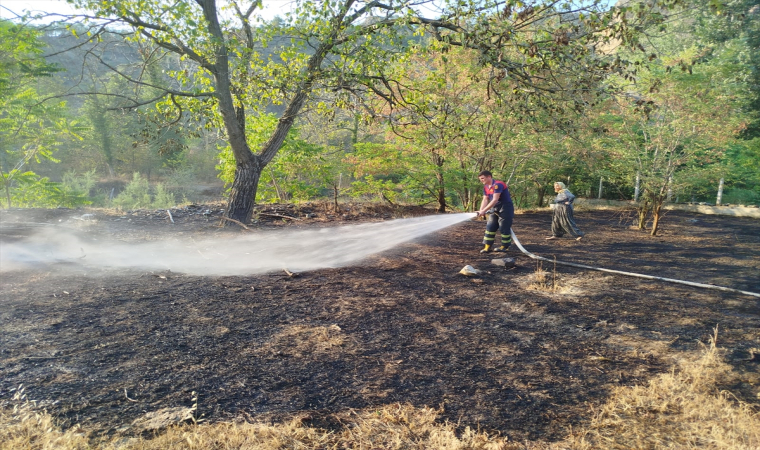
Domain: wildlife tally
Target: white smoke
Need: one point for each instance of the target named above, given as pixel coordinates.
(257, 252)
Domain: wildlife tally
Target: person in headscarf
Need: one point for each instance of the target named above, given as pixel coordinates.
(562, 220)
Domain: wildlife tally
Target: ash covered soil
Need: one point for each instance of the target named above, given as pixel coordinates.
(505, 351)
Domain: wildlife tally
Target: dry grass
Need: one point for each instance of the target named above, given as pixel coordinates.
(393, 427)
(543, 280)
(23, 427)
(298, 340)
(682, 409)
(677, 410)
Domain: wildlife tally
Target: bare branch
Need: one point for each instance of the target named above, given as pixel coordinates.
(166, 91)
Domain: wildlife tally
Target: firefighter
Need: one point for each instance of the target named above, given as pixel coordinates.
(497, 203)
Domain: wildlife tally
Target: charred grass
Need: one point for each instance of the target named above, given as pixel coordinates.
(684, 408)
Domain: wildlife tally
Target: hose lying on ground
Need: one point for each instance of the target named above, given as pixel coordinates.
(630, 274)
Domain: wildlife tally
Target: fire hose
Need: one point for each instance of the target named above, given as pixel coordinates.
(630, 274)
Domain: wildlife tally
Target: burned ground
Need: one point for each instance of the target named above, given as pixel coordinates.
(508, 351)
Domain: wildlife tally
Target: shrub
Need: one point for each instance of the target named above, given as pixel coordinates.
(135, 195)
(75, 189)
(163, 198)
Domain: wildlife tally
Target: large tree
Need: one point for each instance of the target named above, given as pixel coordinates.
(243, 66)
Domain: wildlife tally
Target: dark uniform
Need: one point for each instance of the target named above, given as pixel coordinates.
(501, 215)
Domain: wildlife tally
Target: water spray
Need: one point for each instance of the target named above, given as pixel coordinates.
(258, 252)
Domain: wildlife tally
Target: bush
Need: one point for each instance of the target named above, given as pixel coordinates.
(135, 195)
(177, 181)
(75, 189)
(29, 190)
(163, 198)
(741, 197)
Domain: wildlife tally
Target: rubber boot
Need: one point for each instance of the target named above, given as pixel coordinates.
(486, 249)
(501, 249)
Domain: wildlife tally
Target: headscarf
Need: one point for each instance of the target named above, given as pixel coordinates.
(562, 187)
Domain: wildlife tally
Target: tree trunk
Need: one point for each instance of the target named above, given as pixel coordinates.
(8, 195)
(464, 192)
(669, 191)
(643, 211)
(441, 193)
(441, 201)
(246, 160)
(656, 209)
(636, 190)
(540, 193)
(440, 188)
(243, 193)
(280, 194)
(600, 187)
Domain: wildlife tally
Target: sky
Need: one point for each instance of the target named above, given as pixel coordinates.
(14, 8)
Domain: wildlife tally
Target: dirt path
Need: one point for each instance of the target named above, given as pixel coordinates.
(504, 351)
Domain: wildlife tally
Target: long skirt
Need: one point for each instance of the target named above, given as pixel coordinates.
(563, 222)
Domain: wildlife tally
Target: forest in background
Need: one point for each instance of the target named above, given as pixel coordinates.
(91, 118)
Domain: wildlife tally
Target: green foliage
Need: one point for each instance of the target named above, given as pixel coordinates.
(135, 195)
(741, 170)
(102, 134)
(378, 170)
(79, 184)
(180, 181)
(368, 187)
(241, 66)
(19, 47)
(739, 196)
(680, 126)
(259, 128)
(75, 189)
(30, 129)
(162, 198)
(511, 89)
(33, 191)
(304, 171)
(298, 173)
